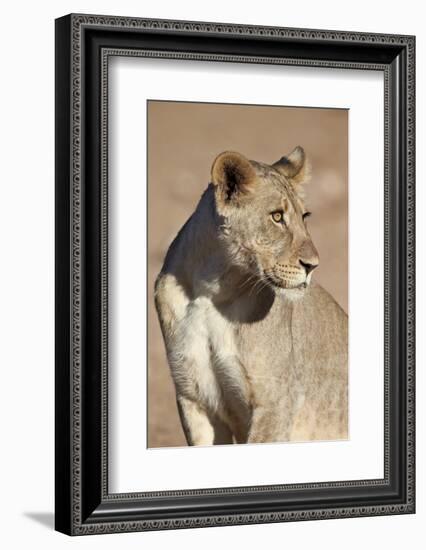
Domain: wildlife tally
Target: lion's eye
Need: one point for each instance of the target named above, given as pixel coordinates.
(278, 216)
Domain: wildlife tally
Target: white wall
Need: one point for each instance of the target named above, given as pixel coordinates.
(26, 289)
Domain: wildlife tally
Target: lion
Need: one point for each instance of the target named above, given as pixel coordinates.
(257, 350)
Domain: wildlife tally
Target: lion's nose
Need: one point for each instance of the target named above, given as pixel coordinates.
(308, 266)
(308, 256)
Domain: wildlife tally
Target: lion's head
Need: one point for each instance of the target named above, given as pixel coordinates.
(262, 217)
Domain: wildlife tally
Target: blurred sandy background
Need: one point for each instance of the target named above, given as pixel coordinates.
(183, 140)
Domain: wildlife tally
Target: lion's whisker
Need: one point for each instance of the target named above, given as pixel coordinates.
(256, 285)
(264, 285)
(247, 281)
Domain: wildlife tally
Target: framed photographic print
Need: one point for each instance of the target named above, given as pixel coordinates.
(234, 274)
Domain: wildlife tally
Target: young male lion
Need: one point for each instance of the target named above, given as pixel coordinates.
(257, 350)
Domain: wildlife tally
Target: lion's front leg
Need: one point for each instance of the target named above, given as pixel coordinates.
(195, 422)
(198, 393)
(198, 427)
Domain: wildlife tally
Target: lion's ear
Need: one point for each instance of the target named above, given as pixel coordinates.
(233, 176)
(295, 167)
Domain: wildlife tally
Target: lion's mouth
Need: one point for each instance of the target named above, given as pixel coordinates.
(285, 285)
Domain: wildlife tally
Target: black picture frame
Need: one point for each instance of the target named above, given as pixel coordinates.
(83, 45)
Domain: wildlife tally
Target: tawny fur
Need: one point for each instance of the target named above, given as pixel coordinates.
(257, 351)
